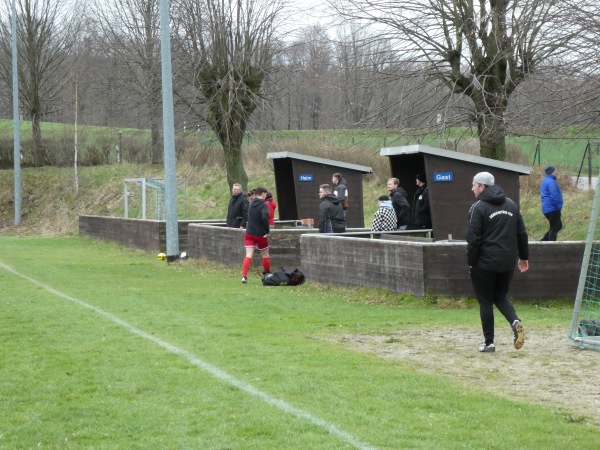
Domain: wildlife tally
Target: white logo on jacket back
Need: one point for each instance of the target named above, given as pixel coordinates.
(502, 211)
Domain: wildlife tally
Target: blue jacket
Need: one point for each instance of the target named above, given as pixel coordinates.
(552, 199)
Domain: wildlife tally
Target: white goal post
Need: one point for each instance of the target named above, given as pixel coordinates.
(585, 326)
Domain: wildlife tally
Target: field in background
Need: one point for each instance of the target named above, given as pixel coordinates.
(106, 347)
(51, 205)
(101, 145)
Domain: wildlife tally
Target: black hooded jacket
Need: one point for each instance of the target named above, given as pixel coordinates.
(331, 209)
(420, 214)
(340, 190)
(258, 218)
(496, 235)
(401, 206)
(237, 211)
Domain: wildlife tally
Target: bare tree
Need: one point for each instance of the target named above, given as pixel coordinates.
(230, 45)
(480, 50)
(358, 58)
(132, 34)
(46, 33)
(573, 93)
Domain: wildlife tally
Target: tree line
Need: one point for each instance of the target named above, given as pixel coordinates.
(410, 65)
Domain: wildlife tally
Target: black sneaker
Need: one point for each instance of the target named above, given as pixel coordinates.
(244, 280)
(519, 333)
(487, 348)
(266, 272)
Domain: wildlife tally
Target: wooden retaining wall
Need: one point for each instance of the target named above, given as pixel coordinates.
(147, 235)
(226, 245)
(414, 267)
(437, 268)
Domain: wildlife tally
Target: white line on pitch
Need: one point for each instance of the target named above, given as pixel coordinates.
(213, 370)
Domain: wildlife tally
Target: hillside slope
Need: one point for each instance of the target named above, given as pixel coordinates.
(51, 205)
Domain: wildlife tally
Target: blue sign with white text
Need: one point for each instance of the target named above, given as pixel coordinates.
(305, 178)
(443, 177)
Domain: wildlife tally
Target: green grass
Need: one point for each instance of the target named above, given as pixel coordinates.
(81, 365)
(564, 148)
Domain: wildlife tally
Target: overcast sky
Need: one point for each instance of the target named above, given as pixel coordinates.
(307, 11)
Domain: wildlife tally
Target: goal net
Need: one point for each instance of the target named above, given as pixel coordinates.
(585, 326)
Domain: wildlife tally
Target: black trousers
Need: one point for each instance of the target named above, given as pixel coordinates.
(491, 288)
(555, 225)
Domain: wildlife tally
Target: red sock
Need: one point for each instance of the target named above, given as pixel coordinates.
(266, 264)
(246, 266)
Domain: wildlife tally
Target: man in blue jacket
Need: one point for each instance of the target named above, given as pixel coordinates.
(552, 203)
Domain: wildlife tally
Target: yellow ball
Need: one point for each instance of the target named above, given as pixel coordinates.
(162, 257)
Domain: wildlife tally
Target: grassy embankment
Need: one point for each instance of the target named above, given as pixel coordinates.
(51, 205)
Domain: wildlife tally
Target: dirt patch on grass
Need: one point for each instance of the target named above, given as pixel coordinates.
(547, 370)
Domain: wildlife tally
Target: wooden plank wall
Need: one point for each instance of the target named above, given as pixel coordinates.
(437, 268)
(554, 270)
(138, 233)
(418, 268)
(393, 265)
(226, 245)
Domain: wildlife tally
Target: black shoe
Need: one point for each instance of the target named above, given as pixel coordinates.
(244, 280)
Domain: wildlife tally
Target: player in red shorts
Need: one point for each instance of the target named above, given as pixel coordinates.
(257, 232)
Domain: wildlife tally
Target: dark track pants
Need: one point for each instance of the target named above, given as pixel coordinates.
(555, 225)
(491, 289)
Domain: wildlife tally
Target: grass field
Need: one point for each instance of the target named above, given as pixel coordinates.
(106, 347)
(564, 148)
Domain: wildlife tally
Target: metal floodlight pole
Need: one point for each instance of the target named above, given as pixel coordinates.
(16, 120)
(144, 198)
(168, 135)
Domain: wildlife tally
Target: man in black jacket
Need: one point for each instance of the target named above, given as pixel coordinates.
(340, 189)
(331, 213)
(399, 202)
(496, 240)
(237, 211)
(420, 214)
(257, 233)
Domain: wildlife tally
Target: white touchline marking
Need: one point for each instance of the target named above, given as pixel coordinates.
(213, 370)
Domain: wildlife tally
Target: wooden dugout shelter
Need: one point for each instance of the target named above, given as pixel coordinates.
(297, 181)
(449, 177)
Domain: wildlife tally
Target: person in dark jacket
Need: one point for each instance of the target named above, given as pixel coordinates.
(331, 213)
(257, 232)
(552, 203)
(496, 243)
(237, 211)
(340, 190)
(420, 214)
(399, 202)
